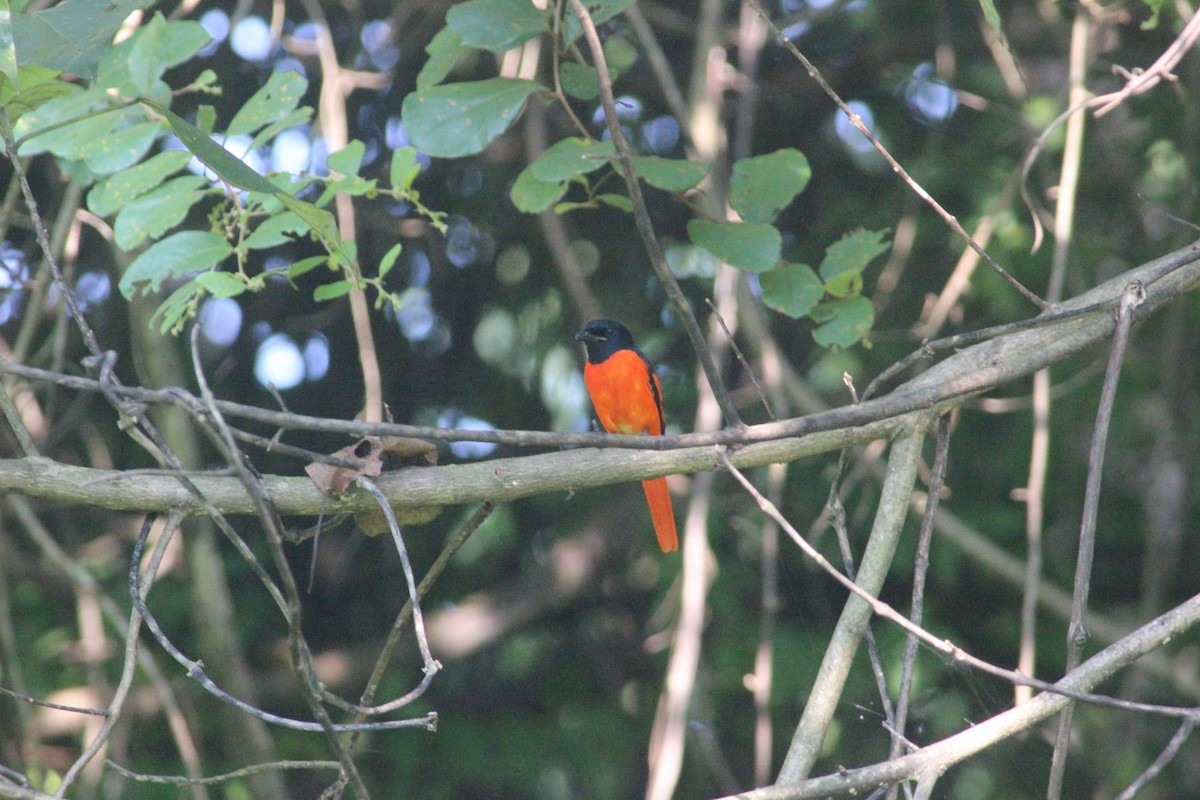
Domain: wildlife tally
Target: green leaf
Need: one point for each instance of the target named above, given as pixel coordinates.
(228, 166)
(570, 157)
(298, 116)
(177, 304)
(120, 189)
(405, 168)
(331, 291)
(762, 186)
(533, 196)
(149, 54)
(579, 80)
(89, 109)
(618, 201)
(842, 323)
(601, 11)
(793, 289)
(221, 284)
(753, 247)
(496, 25)
(444, 51)
(178, 254)
(236, 172)
(846, 259)
(670, 174)
(8, 50)
(274, 231)
(38, 87)
(347, 160)
(71, 36)
(153, 213)
(463, 118)
(306, 265)
(620, 55)
(120, 149)
(569, 206)
(276, 99)
(389, 260)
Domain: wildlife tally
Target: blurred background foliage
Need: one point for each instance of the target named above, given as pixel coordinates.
(554, 620)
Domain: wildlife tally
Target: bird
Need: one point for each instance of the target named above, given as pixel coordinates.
(628, 399)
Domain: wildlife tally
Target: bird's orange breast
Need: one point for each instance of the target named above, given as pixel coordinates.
(625, 394)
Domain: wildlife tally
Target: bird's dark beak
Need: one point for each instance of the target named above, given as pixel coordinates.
(584, 336)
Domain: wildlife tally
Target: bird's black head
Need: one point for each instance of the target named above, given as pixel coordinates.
(603, 337)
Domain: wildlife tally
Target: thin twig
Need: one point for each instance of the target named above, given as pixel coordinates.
(244, 772)
(99, 712)
(1077, 634)
(943, 646)
(641, 217)
(737, 352)
(131, 639)
(273, 529)
(431, 664)
(456, 541)
(920, 570)
(1165, 757)
(195, 671)
(857, 122)
(876, 560)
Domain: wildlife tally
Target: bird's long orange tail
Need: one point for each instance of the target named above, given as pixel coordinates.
(659, 500)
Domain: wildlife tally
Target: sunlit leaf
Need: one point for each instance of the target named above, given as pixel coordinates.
(845, 260)
(670, 174)
(389, 259)
(793, 289)
(496, 25)
(39, 86)
(277, 98)
(120, 149)
(572, 156)
(753, 247)
(330, 291)
(143, 64)
(579, 80)
(178, 304)
(617, 201)
(347, 160)
(444, 50)
(151, 214)
(601, 11)
(177, 255)
(298, 116)
(404, 169)
(306, 265)
(461, 119)
(221, 284)
(120, 189)
(762, 186)
(71, 36)
(8, 51)
(842, 323)
(533, 196)
(276, 230)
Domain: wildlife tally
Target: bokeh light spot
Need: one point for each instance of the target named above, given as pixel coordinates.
(279, 362)
(251, 39)
(220, 320)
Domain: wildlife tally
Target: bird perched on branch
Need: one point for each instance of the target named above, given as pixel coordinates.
(628, 399)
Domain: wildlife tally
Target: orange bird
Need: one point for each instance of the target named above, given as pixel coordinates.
(628, 399)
